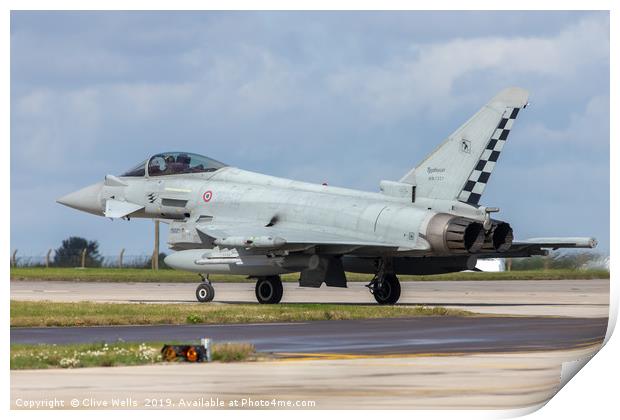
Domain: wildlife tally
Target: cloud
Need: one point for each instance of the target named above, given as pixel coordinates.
(553, 198)
(250, 81)
(586, 129)
(50, 128)
(426, 76)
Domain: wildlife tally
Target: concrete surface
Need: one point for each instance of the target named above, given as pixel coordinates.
(578, 298)
(484, 381)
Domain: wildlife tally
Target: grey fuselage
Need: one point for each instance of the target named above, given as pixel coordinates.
(239, 196)
(234, 196)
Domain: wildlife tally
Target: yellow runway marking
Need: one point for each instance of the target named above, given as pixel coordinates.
(294, 357)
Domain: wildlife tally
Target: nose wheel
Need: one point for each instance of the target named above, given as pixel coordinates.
(205, 292)
(385, 288)
(269, 289)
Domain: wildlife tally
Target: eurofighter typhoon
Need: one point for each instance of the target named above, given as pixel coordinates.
(225, 220)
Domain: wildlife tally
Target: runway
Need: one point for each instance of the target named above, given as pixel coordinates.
(370, 337)
(575, 298)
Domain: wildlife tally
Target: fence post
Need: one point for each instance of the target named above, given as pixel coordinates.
(120, 258)
(47, 258)
(155, 259)
(208, 345)
(508, 264)
(14, 259)
(84, 258)
(546, 262)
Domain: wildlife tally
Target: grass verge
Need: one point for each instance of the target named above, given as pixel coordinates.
(48, 314)
(127, 275)
(43, 356)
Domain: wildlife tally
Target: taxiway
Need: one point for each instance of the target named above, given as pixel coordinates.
(373, 336)
(576, 298)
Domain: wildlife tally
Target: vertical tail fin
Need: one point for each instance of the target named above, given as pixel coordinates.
(461, 166)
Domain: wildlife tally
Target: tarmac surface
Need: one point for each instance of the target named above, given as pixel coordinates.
(374, 336)
(576, 298)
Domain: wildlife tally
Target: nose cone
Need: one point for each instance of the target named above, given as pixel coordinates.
(87, 199)
(172, 261)
(185, 260)
(178, 261)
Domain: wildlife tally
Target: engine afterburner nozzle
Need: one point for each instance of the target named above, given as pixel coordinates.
(450, 234)
(502, 237)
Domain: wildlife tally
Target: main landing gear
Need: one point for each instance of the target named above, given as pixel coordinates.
(269, 289)
(385, 288)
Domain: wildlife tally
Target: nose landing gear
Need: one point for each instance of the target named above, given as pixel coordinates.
(205, 291)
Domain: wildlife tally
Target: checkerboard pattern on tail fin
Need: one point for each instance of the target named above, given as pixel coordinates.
(461, 166)
(474, 187)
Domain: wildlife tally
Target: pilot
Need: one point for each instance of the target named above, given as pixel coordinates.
(183, 162)
(157, 166)
(169, 164)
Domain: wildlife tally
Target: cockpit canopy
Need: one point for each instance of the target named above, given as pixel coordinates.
(175, 163)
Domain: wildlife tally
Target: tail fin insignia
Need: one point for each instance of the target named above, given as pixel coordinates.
(460, 167)
(473, 188)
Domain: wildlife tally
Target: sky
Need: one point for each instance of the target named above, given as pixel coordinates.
(348, 98)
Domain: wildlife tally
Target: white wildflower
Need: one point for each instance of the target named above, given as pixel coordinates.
(69, 362)
(147, 353)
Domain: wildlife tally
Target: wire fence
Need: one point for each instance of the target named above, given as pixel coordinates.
(106, 261)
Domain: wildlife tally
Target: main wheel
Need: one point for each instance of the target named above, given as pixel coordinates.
(269, 289)
(389, 291)
(205, 292)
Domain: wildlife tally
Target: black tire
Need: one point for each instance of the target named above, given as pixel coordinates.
(205, 292)
(389, 293)
(269, 290)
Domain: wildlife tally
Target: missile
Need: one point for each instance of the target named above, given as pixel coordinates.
(226, 261)
(250, 242)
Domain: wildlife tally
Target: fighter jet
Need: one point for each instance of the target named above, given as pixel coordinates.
(225, 220)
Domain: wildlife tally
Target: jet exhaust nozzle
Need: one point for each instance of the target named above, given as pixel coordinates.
(502, 237)
(450, 234)
(499, 238)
